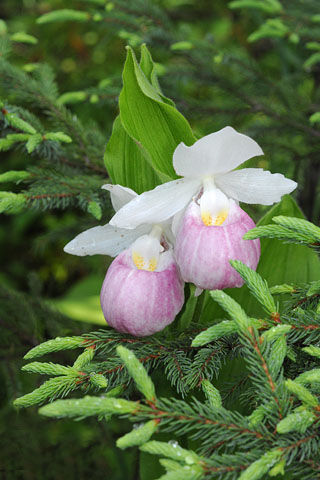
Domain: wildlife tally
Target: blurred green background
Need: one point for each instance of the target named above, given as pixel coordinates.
(256, 69)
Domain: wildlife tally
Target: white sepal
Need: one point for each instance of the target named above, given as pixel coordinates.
(156, 206)
(254, 185)
(105, 240)
(220, 151)
(119, 195)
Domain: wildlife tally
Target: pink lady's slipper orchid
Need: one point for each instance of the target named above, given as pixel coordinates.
(143, 289)
(210, 225)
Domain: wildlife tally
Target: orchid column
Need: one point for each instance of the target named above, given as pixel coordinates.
(209, 224)
(143, 290)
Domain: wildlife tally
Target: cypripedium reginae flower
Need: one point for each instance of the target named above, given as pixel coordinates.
(143, 289)
(209, 232)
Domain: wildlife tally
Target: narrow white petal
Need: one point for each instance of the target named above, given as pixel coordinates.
(218, 152)
(106, 240)
(254, 185)
(156, 206)
(119, 195)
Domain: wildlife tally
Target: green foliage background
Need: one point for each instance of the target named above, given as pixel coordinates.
(221, 63)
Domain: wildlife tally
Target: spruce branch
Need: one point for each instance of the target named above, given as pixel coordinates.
(222, 329)
(173, 451)
(232, 308)
(46, 368)
(288, 229)
(84, 358)
(277, 355)
(264, 366)
(298, 421)
(310, 376)
(212, 394)
(276, 332)
(63, 15)
(257, 286)
(312, 350)
(55, 345)
(89, 406)
(98, 381)
(138, 373)
(299, 225)
(302, 393)
(51, 389)
(258, 468)
(139, 435)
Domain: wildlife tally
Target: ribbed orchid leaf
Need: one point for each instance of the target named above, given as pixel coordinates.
(126, 162)
(154, 124)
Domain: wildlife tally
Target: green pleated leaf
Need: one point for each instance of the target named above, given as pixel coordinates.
(126, 162)
(151, 122)
(279, 263)
(148, 67)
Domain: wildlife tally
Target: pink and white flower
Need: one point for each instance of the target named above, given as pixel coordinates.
(141, 302)
(203, 252)
(143, 290)
(209, 233)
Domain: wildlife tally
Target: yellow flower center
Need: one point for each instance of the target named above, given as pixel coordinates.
(214, 205)
(145, 251)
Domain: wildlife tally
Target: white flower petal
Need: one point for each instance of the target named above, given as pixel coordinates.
(218, 152)
(106, 240)
(119, 195)
(254, 185)
(156, 206)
